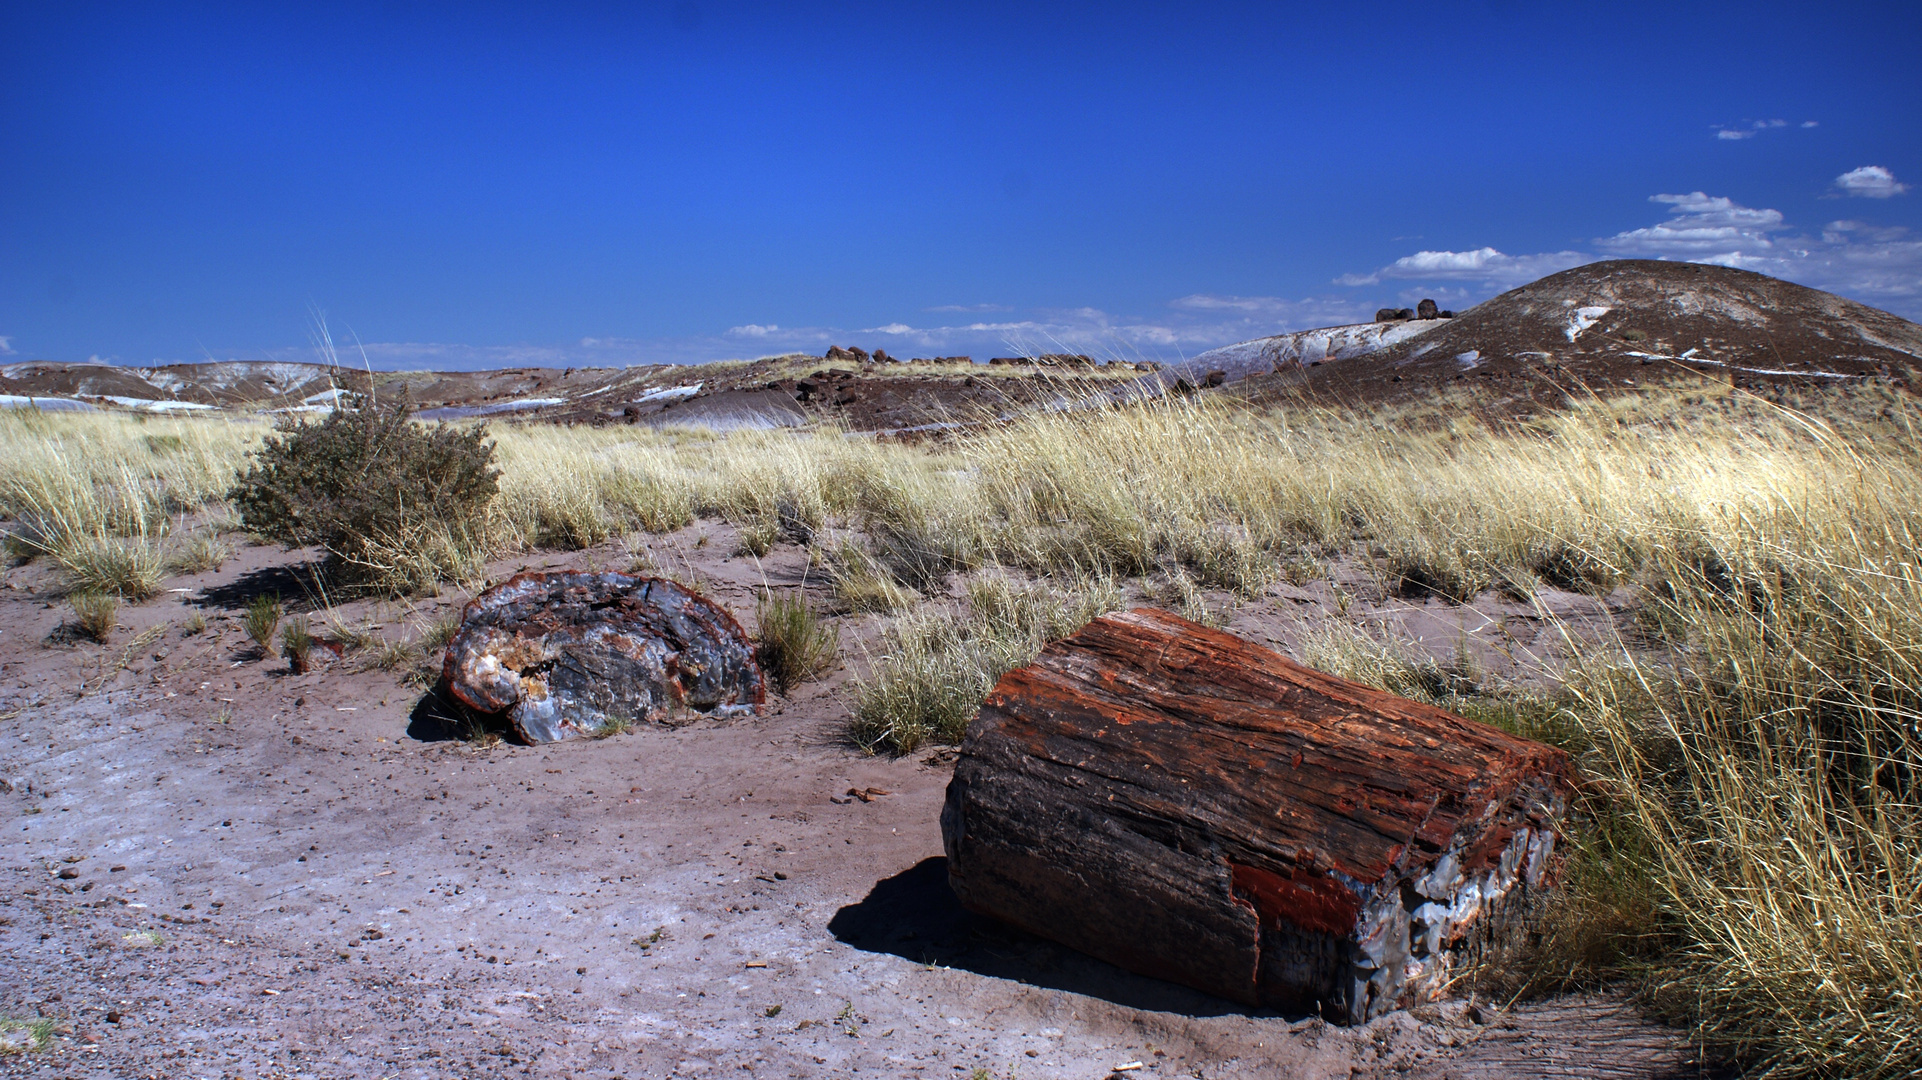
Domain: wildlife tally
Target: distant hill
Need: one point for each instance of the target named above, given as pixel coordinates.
(1622, 323)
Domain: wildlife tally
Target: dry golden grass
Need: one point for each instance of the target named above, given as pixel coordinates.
(1758, 834)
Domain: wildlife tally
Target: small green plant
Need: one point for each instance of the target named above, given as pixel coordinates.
(771, 1011)
(296, 641)
(263, 618)
(795, 643)
(25, 1036)
(94, 614)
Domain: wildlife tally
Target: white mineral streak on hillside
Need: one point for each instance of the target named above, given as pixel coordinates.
(671, 393)
(1263, 355)
(164, 381)
(152, 405)
(45, 404)
(1584, 318)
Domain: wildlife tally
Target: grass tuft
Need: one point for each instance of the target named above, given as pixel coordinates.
(296, 642)
(94, 614)
(262, 620)
(128, 567)
(794, 642)
(940, 662)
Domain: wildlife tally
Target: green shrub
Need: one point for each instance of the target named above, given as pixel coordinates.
(363, 479)
(795, 643)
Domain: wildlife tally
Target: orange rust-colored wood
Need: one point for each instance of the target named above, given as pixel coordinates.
(1193, 806)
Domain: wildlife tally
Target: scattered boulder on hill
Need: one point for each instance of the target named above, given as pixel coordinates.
(565, 654)
(854, 353)
(1427, 309)
(1394, 314)
(1191, 806)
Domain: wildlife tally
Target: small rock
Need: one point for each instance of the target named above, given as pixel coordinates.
(1427, 309)
(69, 873)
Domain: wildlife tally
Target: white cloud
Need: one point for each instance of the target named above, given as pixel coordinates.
(753, 330)
(1700, 228)
(1485, 266)
(1870, 182)
(891, 328)
(1748, 129)
(964, 308)
(1876, 264)
(6, 346)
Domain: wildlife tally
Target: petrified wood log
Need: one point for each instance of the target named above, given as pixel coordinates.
(1188, 805)
(564, 654)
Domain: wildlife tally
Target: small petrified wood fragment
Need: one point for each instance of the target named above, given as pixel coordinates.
(565, 654)
(1188, 805)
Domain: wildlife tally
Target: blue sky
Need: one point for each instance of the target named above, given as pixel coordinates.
(498, 184)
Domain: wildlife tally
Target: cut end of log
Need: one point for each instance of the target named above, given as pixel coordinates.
(566, 654)
(1191, 806)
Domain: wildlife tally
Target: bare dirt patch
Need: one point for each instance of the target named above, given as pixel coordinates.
(215, 867)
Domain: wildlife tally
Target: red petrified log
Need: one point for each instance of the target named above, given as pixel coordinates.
(1191, 806)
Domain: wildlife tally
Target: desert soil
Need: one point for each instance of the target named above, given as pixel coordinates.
(214, 867)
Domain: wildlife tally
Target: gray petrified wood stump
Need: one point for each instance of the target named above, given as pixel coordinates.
(1191, 806)
(563, 654)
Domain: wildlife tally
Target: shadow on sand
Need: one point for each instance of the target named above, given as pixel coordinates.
(915, 915)
(291, 583)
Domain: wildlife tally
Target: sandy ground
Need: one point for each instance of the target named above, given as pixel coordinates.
(216, 868)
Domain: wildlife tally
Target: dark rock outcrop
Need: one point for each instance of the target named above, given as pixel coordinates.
(1427, 309)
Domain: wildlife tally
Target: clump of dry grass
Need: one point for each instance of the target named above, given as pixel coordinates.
(794, 643)
(94, 614)
(940, 662)
(97, 492)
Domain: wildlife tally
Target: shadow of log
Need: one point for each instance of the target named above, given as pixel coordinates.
(439, 717)
(916, 916)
